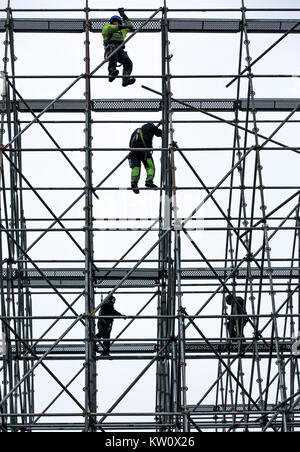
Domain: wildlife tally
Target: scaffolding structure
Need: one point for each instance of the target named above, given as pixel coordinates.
(252, 382)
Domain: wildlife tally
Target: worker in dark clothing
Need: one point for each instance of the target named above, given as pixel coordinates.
(105, 325)
(236, 325)
(142, 138)
(114, 34)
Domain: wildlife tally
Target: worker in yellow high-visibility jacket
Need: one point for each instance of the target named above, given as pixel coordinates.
(114, 34)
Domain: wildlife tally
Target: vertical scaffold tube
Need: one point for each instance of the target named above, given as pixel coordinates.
(181, 335)
(90, 353)
(275, 330)
(7, 370)
(163, 371)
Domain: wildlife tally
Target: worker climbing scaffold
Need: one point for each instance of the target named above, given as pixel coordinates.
(105, 325)
(236, 325)
(143, 138)
(114, 34)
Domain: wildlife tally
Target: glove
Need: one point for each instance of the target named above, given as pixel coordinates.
(122, 13)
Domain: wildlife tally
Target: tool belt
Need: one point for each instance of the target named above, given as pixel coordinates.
(112, 45)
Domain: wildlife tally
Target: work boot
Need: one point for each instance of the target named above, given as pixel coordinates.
(128, 81)
(135, 188)
(113, 75)
(150, 184)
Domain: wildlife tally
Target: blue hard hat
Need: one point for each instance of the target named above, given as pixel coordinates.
(113, 18)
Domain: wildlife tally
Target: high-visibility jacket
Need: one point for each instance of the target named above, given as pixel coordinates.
(112, 34)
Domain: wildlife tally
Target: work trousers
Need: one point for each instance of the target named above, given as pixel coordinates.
(136, 158)
(104, 333)
(121, 57)
(236, 327)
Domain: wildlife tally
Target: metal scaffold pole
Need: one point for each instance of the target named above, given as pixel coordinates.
(4, 332)
(163, 397)
(90, 351)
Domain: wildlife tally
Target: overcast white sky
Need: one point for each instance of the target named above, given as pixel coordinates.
(62, 54)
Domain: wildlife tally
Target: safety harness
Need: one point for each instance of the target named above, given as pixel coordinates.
(139, 134)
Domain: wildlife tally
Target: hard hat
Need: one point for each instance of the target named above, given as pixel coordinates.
(114, 18)
(229, 299)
